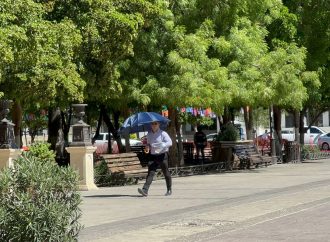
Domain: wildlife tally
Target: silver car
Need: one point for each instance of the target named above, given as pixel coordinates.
(324, 141)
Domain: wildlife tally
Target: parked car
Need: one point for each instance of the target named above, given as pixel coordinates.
(211, 137)
(323, 141)
(101, 143)
(103, 138)
(310, 136)
(288, 134)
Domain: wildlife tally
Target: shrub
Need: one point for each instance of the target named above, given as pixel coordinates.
(228, 133)
(38, 199)
(102, 174)
(310, 151)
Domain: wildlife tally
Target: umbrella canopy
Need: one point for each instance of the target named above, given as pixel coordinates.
(141, 122)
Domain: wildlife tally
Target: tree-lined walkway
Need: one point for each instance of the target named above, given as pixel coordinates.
(212, 206)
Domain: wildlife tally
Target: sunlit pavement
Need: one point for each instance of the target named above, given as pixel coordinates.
(279, 202)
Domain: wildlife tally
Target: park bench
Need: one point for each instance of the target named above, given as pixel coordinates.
(125, 168)
(143, 157)
(250, 158)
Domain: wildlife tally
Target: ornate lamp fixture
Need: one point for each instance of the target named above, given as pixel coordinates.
(7, 138)
(81, 132)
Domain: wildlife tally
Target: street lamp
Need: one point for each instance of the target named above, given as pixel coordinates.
(271, 129)
(7, 139)
(81, 135)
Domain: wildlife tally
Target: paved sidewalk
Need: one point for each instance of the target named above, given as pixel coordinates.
(204, 204)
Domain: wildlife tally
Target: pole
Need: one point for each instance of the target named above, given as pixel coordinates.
(271, 128)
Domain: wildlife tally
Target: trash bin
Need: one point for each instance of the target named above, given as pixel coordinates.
(292, 151)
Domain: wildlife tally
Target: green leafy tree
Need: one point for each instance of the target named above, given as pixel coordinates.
(35, 122)
(109, 29)
(39, 58)
(313, 28)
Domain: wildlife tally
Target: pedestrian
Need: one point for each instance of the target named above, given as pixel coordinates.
(200, 142)
(265, 142)
(158, 143)
(265, 136)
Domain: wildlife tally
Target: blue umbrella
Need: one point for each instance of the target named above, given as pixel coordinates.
(141, 122)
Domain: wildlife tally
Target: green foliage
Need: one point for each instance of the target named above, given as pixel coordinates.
(311, 152)
(38, 199)
(101, 173)
(195, 120)
(38, 55)
(202, 53)
(35, 122)
(228, 133)
(313, 28)
(261, 117)
(109, 29)
(42, 152)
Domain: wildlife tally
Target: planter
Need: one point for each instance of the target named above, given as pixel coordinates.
(222, 151)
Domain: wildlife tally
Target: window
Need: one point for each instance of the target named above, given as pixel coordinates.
(102, 136)
(99, 137)
(289, 120)
(315, 131)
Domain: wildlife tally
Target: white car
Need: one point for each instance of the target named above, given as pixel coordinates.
(101, 143)
(103, 138)
(211, 137)
(310, 136)
(288, 134)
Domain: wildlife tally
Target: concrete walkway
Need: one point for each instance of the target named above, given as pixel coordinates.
(214, 207)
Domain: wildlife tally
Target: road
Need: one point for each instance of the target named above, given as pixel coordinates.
(282, 202)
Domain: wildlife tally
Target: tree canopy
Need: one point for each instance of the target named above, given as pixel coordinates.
(147, 53)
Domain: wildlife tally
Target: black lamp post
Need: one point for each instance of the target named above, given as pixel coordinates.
(81, 135)
(271, 126)
(7, 139)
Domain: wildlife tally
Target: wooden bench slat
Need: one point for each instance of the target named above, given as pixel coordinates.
(249, 156)
(126, 159)
(123, 166)
(136, 171)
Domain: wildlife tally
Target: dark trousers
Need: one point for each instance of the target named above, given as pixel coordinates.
(157, 161)
(200, 149)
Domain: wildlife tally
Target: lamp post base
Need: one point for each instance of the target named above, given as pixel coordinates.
(81, 159)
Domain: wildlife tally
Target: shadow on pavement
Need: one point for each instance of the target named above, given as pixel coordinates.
(112, 195)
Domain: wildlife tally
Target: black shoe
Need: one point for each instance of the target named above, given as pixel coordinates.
(143, 192)
(168, 193)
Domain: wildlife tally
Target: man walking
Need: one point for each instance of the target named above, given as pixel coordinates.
(158, 143)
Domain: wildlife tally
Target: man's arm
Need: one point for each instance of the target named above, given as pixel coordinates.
(166, 139)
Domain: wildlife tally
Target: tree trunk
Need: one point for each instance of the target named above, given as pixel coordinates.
(248, 119)
(301, 127)
(296, 118)
(33, 134)
(56, 136)
(17, 120)
(173, 161)
(116, 116)
(111, 128)
(97, 132)
(54, 124)
(277, 129)
(178, 133)
(226, 118)
(66, 121)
